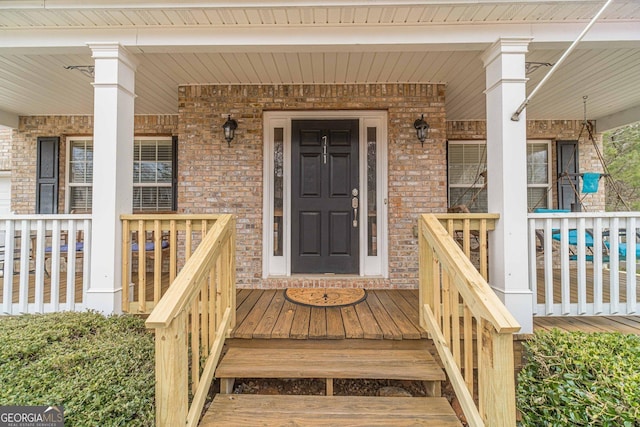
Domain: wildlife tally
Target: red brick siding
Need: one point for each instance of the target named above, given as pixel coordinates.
(553, 130)
(215, 178)
(5, 149)
(23, 181)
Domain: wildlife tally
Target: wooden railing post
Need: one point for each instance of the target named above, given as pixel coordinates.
(453, 291)
(172, 373)
(232, 276)
(496, 381)
(195, 314)
(426, 276)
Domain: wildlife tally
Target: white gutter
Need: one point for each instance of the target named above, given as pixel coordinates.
(516, 116)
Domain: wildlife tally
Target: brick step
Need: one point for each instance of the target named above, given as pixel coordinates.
(329, 364)
(252, 410)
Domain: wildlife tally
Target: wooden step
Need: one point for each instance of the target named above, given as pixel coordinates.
(329, 364)
(259, 410)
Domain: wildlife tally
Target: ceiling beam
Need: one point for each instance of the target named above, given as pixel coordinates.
(616, 120)
(449, 36)
(8, 119)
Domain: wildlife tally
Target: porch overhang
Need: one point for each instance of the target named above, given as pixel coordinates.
(312, 42)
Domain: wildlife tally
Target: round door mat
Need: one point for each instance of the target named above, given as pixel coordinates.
(325, 297)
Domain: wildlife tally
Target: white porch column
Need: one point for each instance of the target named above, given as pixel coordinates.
(112, 171)
(507, 176)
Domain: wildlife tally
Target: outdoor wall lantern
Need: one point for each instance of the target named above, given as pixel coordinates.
(422, 129)
(229, 127)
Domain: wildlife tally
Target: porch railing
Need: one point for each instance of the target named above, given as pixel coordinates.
(45, 262)
(191, 322)
(584, 263)
(458, 307)
(154, 248)
(470, 231)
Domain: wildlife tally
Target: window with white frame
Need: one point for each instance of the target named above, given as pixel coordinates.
(467, 166)
(80, 175)
(153, 174)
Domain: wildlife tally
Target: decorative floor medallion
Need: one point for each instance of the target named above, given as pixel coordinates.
(325, 297)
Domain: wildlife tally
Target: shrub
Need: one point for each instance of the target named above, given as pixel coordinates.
(100, 368)
(580, 379)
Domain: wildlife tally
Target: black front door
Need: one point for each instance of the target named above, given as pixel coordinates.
(324, 196)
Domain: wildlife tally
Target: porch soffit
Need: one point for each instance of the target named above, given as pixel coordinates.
(122, 13)
(343, 42)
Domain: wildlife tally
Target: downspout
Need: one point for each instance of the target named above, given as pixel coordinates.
(516, 116)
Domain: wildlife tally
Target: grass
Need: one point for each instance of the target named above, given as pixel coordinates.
(580, 379)
(100, 368)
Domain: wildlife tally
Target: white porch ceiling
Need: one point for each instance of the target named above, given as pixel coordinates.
(429, 41)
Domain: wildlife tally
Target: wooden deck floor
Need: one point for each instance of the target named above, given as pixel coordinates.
(573, 287)
(384, 315)
(388, 314)
(391, 315)
(46, 288)
(622, 324)
(78, 287)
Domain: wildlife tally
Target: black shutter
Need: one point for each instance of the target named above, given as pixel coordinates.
(174, 169)
(47, 175)
(567, 163)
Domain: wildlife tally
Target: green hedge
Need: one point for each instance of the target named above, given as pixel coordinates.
(580, 379)
(100, 368)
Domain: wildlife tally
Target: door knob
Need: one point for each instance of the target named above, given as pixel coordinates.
(354, 204)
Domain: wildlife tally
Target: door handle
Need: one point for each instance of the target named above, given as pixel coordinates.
(354, 205)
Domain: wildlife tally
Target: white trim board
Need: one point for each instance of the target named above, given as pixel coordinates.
(369, 266)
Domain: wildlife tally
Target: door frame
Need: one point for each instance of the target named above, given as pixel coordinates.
(369, 266)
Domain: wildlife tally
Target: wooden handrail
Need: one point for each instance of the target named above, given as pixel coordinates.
(195, 316)
(456, 302)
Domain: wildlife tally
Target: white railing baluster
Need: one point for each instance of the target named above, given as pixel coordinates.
(565, 277)
(39, 265)
(614, 281)
(55, 265)
(25, 257)
(533, 261)
(597, 266)
(583, 283)
(548, 266)
(631, 265)
(71, 265)
(9, 250)
(32, 279)
(582, 267)
(86, 259)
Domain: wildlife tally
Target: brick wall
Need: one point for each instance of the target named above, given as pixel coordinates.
(5, 148)
(553, 130)
(23, 180)
(214, 178)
